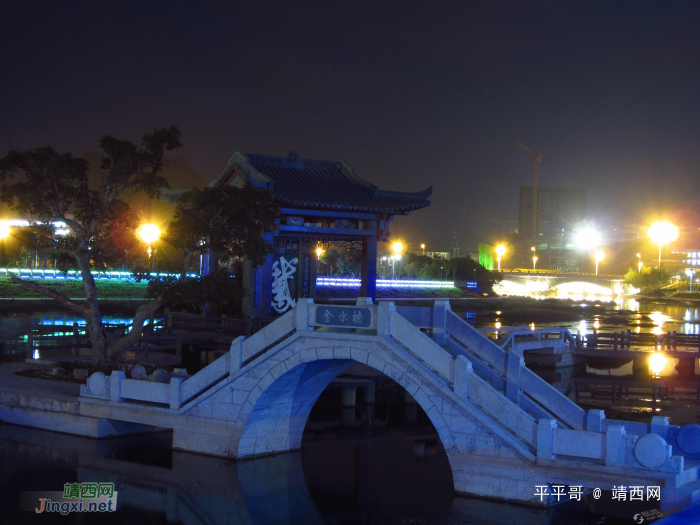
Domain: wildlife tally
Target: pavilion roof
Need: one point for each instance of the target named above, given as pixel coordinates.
(318, 184)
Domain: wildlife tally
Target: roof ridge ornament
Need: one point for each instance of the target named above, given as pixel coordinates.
(292, 158)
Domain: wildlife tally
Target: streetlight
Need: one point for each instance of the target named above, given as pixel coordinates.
(397, 247)
(690, 272)
(534, 258)
(587, 238)
(663, 233)
(639, 262)
(423, 248)
(149, 234)
(394, 258)
(500, 250)
(319, 252)
(599, 255)
(4, 234)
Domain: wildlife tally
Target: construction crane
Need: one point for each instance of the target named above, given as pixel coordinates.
(536, 156)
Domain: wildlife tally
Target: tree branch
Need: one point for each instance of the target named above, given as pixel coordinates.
(143, 312)
(47, 292)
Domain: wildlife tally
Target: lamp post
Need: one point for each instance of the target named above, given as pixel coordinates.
(587, 239)
(599, 255)
(663, 233)
(4, 234)
(690, 272)
(319, 252)
(500, 250)
(423, 248)
(397, 247)
(149, 234)
(639, 263)
(534, 258)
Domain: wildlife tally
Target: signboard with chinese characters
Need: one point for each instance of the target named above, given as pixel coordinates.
(305, 275)
(343, 316)
(284, 283)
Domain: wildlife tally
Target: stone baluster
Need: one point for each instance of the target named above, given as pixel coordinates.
(302, 315)
(514, 363)
(615, 445)
(384, 311)
(463, 368)
(115, 387)
(594, 420)
(440, 321)
(236, 354)
(545, 438)
(659, 425)
(175, 392)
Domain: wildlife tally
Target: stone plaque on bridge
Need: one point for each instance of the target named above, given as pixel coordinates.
(348, 316)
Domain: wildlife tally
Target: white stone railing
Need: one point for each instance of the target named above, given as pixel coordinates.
(476, 391)
(507, 339)
(458, 371)
(551, 399)
(207, 376)
(422, 347)
(510, 370)
(116, 387)
(614, 446)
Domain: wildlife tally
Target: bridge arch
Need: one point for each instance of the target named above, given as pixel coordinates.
(277, 406)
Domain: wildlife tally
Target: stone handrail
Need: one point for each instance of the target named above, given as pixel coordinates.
(507, 364)
(210, 374)
(552, 400)
(418, 316)
(496, 405)
(614, 446)
(242, 350)
(481, 346)
(270, 335)
(422, 347)
(145, 391)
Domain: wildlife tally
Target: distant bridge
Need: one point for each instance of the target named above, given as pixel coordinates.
(506, 431)
(540, 281)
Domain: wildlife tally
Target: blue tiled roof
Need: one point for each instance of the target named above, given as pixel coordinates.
(328, 184)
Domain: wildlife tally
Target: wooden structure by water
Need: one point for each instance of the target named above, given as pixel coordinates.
(153, 346)
(622, 347)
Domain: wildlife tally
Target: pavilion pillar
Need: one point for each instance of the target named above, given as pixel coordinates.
(306, 280)
(369, 263)
(211, 263)
(264, 307)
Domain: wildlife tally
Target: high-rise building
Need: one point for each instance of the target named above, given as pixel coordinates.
(559, 210)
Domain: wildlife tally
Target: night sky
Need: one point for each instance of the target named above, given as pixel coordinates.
(411, 94)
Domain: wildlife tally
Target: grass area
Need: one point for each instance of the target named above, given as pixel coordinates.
(116, 289)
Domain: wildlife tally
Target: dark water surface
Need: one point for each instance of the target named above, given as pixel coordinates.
(373, 478)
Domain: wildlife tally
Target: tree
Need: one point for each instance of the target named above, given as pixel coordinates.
(647, 277)
(467, 269)
(432, 271)
(227, 223)
(49, 186)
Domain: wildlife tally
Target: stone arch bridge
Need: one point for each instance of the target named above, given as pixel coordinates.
(551, 280)
(506, 432)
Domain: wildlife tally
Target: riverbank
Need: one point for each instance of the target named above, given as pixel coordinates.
(74, 288)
